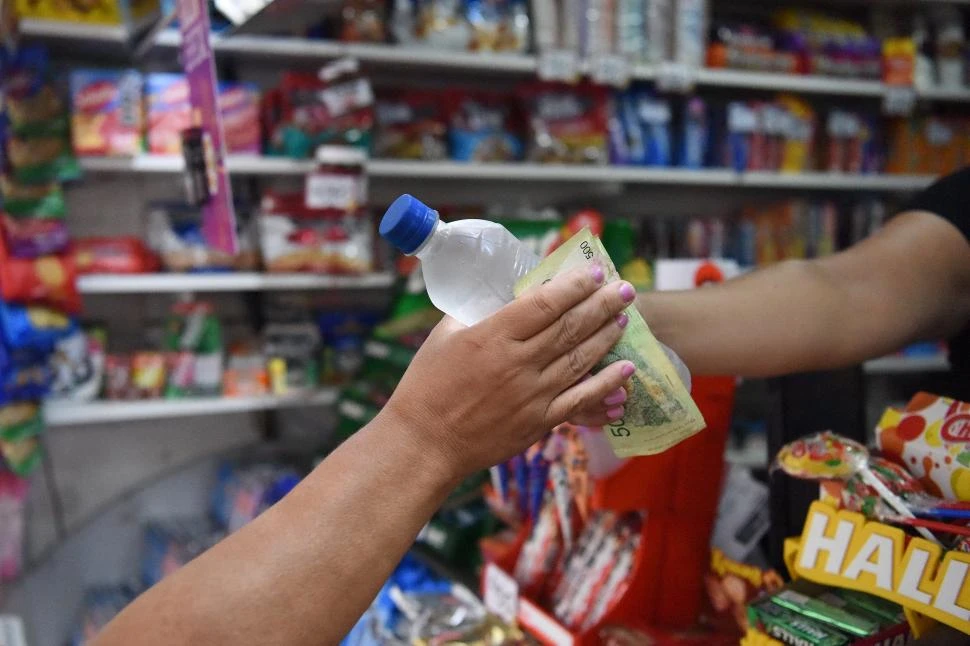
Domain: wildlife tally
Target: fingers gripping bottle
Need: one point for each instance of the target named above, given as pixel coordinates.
(470, 266)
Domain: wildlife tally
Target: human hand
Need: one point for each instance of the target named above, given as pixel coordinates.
(474, 396)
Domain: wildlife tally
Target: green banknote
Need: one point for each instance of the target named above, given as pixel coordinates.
(659, 410)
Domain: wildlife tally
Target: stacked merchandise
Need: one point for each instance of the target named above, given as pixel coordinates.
(123, 112)
(132, 14)
(929, 145)
(907, 498)
(38, 295)
(193, 358)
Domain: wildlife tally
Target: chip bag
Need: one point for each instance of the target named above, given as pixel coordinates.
(33, 328)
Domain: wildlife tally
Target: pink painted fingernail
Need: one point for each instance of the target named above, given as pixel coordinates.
(627, 370)
(597, 273)
(615, 413)
(627, 293)
(615, 398)
(622, 319)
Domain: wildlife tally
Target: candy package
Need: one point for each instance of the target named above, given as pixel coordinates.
(24, 380)
(442, 24)
(36, 160)
(33, 238)
(363, 21)
(120, 255)
(932, 438)
(117, 377)
(498, 25)
(19, 421)
(410, 125)
(33, 328)
(566, 124)
(246, 374)
(13, 496)
(481, 127)
(194, 343)
(296, 238)
(106, 112)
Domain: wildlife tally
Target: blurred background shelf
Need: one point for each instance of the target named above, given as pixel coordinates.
(528, 172)
(71, 413)
(902, 364)
(228, 282)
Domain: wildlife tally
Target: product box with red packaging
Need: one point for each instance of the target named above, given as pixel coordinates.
(169, 112)
(567, 124)
(106, 112)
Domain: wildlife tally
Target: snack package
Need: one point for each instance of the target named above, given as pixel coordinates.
(175, 235)
(106, 112)
(33, 328)
(121, 255)
(296, 238)
(363, 21)
(168, 113)
(41, 159)
(335, 106)
(931, 437)
(48, 279)
(566, 124)
(295, 347)
(117, 377)
(78, 366)
(13, 496)
(24, 380)
(694, 135)
(442, 24)
(410, 125)
(245, 374)
(35, 201)
(33, 238)
(148, 374)
(481, 127)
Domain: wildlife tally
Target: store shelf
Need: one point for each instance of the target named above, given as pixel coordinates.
(289, 48)
(70, 414)
(902, 364)
(527, 172)
(789, 82)
(942, 94)
(229, 282)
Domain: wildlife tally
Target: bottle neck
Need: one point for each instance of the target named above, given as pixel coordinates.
(425, 247)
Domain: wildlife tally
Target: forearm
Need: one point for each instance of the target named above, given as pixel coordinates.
(910, 281)
(306, 569)
(769, 322)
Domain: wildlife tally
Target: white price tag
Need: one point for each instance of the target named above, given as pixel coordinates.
(899, 100)
(675, 77)
(611, 70)
(559, 65)
(330, 191)
(501, 594)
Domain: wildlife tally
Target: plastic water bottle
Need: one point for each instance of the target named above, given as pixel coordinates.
(470, 266)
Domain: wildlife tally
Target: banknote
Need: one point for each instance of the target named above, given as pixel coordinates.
(659, 411)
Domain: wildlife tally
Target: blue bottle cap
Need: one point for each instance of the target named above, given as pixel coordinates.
(407, 223)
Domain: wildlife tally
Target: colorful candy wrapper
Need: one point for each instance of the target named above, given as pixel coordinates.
(827, 456)
(540, 551)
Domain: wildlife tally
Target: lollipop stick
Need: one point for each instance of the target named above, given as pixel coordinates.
(932, 524)
(893, 501)
(945, 512)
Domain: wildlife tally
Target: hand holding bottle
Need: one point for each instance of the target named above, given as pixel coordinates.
(474, 396)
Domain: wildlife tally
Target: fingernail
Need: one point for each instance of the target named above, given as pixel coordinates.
(622, 319)
(627, 293)
(615, 398)
(614, 413)
(597, 273)
(627, 370)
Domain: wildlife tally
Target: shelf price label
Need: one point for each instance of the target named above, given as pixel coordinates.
(674, 77)
(899, 100)
(559, 65)
(501, 594)
(611, 70)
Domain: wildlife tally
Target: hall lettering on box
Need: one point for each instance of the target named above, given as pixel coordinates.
(842, 548)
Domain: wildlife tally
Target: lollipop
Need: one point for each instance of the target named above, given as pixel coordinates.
(827, 456)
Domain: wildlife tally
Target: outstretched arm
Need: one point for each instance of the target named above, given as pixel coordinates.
(908, 282)
(305, 570)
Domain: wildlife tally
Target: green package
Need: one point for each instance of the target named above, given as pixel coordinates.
(822, 612)
(790, 628)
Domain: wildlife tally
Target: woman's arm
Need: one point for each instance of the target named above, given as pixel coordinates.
(305, 570)
(910, 281)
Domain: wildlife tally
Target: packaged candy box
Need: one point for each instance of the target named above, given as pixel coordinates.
(931, 437)
(106, 112)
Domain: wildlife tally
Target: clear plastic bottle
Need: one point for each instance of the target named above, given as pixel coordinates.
(470, 266)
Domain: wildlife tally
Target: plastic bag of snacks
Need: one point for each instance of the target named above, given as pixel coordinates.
(33, 328)
(567, 124)
(294, 237)
(410, 125)
(481, 127)
(335, 106)
(175, 234)
(45, 200)
(78, 366)
(47, 279)
(33, 238)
